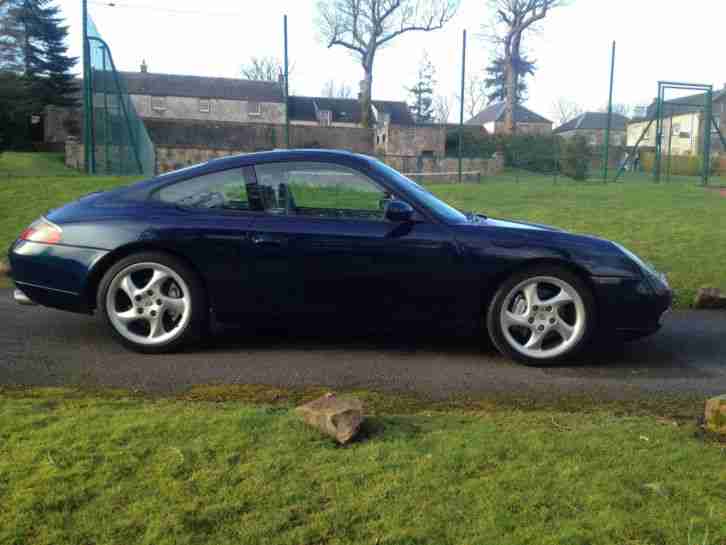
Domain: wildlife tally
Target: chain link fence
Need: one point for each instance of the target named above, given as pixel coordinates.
(120, 144)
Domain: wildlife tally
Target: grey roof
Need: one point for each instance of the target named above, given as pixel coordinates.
(172, 85)
(684, 105)
(593, 121)
(345, 110)
(495, 112)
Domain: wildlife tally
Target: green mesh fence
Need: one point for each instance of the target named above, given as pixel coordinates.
(120, 144)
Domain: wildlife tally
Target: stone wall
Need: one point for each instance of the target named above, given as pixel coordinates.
(445, 170)
(411, 140)
(56, 120)
(187, 108)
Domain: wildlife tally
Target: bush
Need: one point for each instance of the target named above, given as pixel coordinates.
(575, 158)
(538, 153)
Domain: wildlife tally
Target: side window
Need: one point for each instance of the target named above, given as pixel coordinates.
(223, 190)
(319, 190)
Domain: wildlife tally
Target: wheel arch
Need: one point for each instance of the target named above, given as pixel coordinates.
(581, 272)
(106, 262)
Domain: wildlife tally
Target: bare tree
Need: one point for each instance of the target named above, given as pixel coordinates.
(365, 26)
(262, 68)
(619, 108)
(333, 90)
(475, 96)
(564, 110)
(442, 109)
(513, 18)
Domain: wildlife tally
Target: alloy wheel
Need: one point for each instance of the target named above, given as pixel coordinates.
(148, 304)
(543, 317)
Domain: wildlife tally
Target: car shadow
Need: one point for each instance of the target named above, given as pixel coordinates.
(321, 336)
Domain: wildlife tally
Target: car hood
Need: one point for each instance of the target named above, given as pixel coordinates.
(513, 224)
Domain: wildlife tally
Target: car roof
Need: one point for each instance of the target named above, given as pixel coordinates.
(288, 155)
(248, 159)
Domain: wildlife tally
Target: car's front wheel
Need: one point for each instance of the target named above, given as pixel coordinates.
(152, 302)
(542, 316)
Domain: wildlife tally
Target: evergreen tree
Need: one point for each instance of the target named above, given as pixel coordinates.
(34, 42)
(16, 106)
(422, 93)
(496, 81)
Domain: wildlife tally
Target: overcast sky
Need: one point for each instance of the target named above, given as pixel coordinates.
(656, 39)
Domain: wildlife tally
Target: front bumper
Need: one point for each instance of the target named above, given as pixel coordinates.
(630, 311)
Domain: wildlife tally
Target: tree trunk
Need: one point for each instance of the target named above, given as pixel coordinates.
(365, 96)
(510, 99)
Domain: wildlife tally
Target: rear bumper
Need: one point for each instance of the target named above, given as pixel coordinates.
(22, 299)
(52, 275)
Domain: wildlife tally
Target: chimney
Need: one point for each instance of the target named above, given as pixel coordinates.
(144, 67)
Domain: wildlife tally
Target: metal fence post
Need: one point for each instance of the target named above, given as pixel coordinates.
(461, 106)
(606, 143)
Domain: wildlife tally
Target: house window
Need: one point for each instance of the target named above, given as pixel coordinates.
(205, 105)
(325, 117)
(254, 109)
(158, 104)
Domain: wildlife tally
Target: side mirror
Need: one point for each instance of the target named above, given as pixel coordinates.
(398, 211)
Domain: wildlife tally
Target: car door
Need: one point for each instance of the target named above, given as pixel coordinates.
(324, 246)
(210, 227)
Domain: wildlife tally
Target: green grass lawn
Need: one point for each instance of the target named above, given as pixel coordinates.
(78, 470)
(14, 165)
(679, 226)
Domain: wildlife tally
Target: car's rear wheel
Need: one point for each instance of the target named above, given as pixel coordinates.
(542, 316)
(153, 302)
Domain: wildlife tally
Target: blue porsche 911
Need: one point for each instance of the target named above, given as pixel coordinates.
(300, 233)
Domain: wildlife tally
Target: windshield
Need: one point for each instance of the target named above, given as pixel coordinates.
(449, 213)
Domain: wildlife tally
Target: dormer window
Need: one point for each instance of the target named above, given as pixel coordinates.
(325, 117)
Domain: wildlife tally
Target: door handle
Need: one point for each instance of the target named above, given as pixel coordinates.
(266, 240)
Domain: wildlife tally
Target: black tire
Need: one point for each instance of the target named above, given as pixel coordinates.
(494, 325)
(197, 323)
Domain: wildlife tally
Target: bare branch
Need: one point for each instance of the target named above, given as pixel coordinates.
(564, 110)
(511, 21)
(333, 90)
(364, 26)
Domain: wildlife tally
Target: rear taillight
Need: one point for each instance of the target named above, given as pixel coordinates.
(42, 230)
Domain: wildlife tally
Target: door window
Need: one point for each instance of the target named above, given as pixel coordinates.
(221, 190)
(319, 190)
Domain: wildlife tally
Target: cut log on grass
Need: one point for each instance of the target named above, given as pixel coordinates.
(715, 415)
(4, 269)
(710, 298)
(338, 417)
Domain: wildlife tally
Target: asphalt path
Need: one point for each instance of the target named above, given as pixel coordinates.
(43, 347)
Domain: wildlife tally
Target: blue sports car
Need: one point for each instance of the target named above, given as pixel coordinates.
(300, 233)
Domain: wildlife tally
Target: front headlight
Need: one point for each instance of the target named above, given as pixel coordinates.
(657, 280)
(642, 263)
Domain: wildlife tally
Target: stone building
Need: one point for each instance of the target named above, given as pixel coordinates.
(528, 122)
(185, 98)
(194, 113)
(683, 120)
(592, 126)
